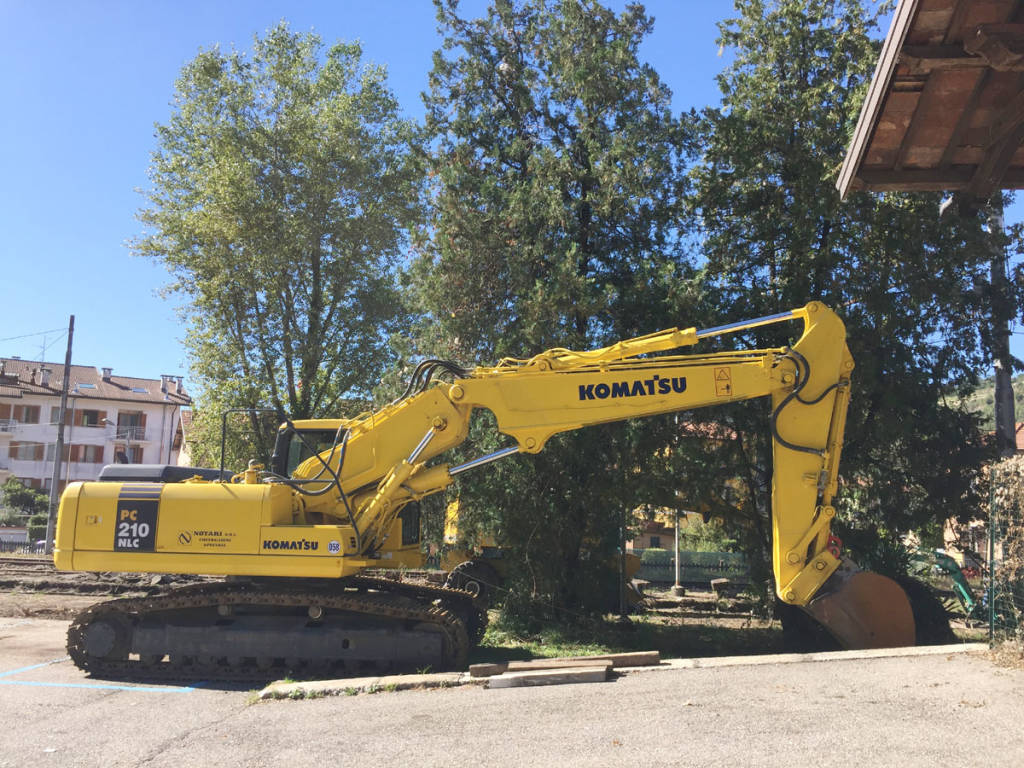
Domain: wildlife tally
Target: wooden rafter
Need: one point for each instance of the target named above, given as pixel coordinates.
(963, 121)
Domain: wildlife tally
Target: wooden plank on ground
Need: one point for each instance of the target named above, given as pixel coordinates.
(590, 674)
(634, 659)
(538, 664)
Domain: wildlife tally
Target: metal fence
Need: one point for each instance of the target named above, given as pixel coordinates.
(20, 547)
(1003, 601)
(658, 566)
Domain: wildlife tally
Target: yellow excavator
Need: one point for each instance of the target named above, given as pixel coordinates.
(296, 541)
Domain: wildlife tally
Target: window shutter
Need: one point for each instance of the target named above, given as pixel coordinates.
(5, 410)
(142, 421)
(40, 451)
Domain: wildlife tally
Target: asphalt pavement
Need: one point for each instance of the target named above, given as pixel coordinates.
(954, 709)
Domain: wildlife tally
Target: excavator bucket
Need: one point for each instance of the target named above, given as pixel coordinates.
(862, 609)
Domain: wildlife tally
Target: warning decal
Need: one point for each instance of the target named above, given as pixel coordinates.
(723, 382)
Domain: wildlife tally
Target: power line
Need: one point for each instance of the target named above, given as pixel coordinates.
(40, 333)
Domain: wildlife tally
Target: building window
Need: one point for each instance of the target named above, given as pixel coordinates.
(131, 425)
(91, 454)
(132, 456)
(90, 419)
(26, 414)
(655, 542)
(27, 451)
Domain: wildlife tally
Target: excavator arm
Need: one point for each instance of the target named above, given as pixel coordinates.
(560, 390)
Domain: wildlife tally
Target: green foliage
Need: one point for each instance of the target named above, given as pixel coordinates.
(556, 221)
(246, 436)
(710, 536)
(982, 401)
(1007, 596)
(21, 500)
(281, 194)
(37, 526)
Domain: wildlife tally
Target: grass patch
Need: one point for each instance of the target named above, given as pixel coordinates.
(673, 638)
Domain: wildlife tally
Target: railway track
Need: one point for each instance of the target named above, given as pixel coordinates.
(28, 567)
(26, 560)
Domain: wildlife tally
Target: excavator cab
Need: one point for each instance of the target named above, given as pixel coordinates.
(301, 440)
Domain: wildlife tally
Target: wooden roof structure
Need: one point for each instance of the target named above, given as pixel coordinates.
(945, 109)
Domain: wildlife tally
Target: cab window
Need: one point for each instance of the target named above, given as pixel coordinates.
(319, 440)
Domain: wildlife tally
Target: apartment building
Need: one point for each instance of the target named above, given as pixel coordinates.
(110, 419)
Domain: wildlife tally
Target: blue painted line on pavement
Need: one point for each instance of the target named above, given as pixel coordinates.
(34, 666)
(143, 689)
(100, 686)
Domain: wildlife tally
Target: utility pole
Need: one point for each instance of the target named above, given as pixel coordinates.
(58, 454)
(677, 590)
(1002, 314)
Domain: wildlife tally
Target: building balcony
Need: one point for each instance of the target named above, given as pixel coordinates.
(8, 425)
(138, 434)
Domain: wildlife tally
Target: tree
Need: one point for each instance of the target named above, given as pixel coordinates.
(21, 500)
(25, 500)
(775, 235)
(557, 188)
(282, 189)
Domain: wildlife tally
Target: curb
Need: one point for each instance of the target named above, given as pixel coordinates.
(349, 686)
(797, 658)
(355, 685)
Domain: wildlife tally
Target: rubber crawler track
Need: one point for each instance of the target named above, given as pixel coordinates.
(396, 600)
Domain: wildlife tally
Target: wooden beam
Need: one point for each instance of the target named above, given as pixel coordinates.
(964, 120)
(991, 171)
(1005, 137)
(929, 179)
(1009, 118)
(617, 660)
(956, 21)
(1000, 45)
(923, 59)
(917, 123)
(914, 180)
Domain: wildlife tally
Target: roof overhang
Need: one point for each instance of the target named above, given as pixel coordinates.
(945, 108)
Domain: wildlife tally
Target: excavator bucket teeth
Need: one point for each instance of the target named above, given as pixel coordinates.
(862, 609)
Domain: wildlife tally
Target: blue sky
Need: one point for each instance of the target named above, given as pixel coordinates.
(83, 84)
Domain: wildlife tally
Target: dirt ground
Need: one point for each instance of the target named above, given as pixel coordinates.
(31, 587)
